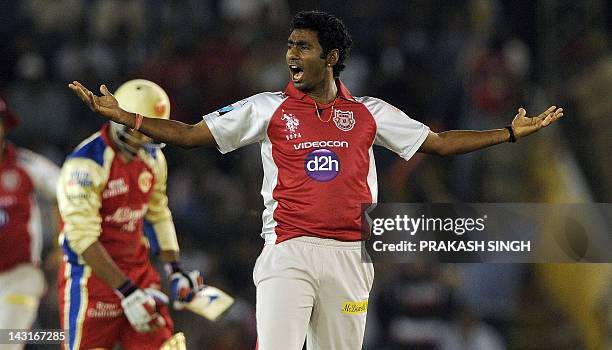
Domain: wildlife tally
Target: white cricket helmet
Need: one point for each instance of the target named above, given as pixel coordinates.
(143, 97)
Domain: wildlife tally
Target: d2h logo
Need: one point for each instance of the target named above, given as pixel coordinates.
(322, 165)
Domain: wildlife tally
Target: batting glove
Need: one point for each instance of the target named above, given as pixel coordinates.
(184, 285)
(139, 308)
(157, 295)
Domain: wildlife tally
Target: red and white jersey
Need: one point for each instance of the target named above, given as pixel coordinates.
(23, 175)
(103, 198)
(318, 165)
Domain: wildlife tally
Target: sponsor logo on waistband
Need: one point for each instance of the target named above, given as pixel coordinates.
(104, 310)
(355, 307)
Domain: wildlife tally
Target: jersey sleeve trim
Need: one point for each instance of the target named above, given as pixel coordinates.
(209, 119)
(395, 130)
(408, 153)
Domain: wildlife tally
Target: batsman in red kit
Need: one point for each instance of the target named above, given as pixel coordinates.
(114, 210)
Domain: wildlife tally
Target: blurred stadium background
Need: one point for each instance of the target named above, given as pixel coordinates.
(450, 64)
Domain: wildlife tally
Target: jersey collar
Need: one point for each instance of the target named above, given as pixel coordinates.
(343, 91)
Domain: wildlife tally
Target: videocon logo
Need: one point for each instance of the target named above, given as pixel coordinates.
(322, 165)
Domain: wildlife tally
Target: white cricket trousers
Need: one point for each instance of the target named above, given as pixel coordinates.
(20, 291)
(314, 289)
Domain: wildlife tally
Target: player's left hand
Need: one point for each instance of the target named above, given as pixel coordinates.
(523, 125)
(185, 285)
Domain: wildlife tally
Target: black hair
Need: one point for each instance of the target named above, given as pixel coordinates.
(331, 32)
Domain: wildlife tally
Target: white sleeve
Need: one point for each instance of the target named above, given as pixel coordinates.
(42, 171)
(394, 129)
(244, 122)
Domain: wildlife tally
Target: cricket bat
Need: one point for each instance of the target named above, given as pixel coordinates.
(210, 302)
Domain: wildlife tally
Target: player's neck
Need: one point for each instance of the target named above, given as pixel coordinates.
(326, 92)
(126, 157)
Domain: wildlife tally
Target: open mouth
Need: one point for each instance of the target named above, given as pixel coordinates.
(296, 72)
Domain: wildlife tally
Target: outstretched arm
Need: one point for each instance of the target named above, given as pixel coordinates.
(464, 141)
(167, 131)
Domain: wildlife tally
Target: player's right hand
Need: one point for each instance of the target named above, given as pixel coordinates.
(139, 308)
(184, 285)
(106, 105)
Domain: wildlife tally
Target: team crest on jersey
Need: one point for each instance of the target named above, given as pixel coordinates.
(10, 180)
(145, 181)
(344, 120)
(291, 125)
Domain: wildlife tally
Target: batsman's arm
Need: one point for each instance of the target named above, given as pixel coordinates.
(167, 131)
(160, 230)
(169, 256)
(159, 226)
(138, 305)
(464, 141)
(103, 265)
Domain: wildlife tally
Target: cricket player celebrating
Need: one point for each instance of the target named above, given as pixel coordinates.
(23, 174)
(111, 192)
(316, 145)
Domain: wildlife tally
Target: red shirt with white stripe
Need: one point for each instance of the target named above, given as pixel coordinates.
(318, 162)
(23, 174)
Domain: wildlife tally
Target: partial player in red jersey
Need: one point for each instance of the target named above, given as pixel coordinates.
(316, 143)
(114, 211)
(24, 175)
